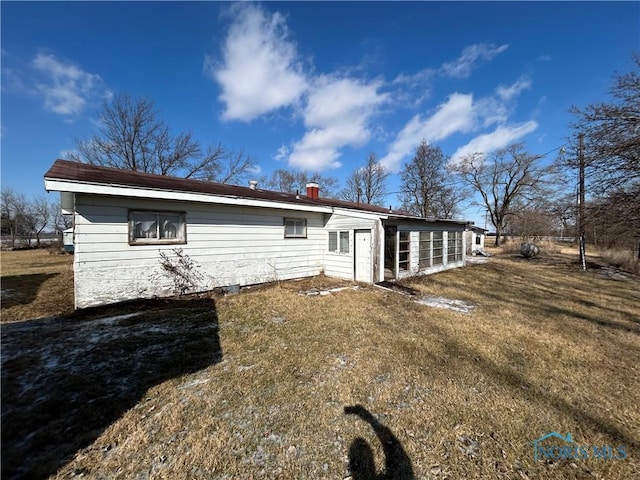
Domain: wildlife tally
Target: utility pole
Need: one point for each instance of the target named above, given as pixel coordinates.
(583, 255)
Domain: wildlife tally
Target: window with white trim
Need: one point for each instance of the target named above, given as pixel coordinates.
(339, 242)
(295, 228)
(156, 227)
(424, 250)
(437, 248)
(454, 246)
(404, 251)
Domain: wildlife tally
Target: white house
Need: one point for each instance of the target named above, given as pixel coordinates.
(474, 239)
(235, 235)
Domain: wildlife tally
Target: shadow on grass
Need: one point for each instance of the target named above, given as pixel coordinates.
(22, 289)
(65, 380)
(397, 465)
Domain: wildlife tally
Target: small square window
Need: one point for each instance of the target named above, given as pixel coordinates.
(339, 242)
(295, 228)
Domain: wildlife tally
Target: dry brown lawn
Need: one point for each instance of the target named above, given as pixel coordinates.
(35, 283)
(270, 383)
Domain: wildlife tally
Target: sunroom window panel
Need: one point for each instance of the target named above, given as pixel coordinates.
(404, 247)
(424, 251)
(437, 248)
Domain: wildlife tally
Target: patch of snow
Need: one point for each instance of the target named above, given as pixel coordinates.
(477, 260)
(193, 383)
(449, 304)
(116, 318)
(323, 293)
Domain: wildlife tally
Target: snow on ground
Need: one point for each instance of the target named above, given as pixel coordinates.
(449, 304)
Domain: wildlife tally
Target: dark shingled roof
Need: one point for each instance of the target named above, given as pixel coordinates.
(83, 172)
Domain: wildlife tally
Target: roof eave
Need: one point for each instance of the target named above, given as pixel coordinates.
(75, 186)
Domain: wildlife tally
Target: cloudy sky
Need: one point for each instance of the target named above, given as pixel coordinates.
(306, 85)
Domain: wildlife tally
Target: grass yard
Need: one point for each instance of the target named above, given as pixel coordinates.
(35, 283)
(360, 383)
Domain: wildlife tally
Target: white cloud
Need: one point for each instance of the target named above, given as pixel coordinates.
(260, 71)
(337, 114)
(66, 88)
(282, 153)
(454, 115)
(254, 169)
(511, 91)
(465, 63)
(412, 89)
(499, 138)
(489, 111)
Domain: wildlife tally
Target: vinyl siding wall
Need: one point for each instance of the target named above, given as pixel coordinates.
(230, 245)
(341, 265)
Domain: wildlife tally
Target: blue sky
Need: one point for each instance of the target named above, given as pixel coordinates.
(308, 85)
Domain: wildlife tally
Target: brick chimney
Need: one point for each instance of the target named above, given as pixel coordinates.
(312, 190)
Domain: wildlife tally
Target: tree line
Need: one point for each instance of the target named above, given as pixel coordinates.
(520, 194)
(24, 220)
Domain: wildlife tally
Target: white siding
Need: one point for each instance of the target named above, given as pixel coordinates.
(230, 244)
(341, 265)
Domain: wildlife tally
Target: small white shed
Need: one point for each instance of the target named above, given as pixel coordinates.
(474, 238)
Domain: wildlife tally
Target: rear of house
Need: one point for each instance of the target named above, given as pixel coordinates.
(124, 223)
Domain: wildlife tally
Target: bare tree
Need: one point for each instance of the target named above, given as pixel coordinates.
(427, 188)
(132, 137)
(505, 180)
(284, 180)
(60, 221)
(367, 184)
(235, 169)
(612, 134)
(563, 210)
(612, 157)
(14, 210)
(41, 213)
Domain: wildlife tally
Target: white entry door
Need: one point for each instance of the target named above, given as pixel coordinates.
(362, 250)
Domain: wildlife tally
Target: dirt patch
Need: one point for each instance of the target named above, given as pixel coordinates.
(398, 288)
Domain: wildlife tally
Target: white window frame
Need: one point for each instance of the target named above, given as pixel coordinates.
(437, 245)
(299, 227)
(339, 235)
(404, 264)
(156, 237)
(424, 247)
(454, 246)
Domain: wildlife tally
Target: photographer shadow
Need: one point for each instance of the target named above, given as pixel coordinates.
(397, 465)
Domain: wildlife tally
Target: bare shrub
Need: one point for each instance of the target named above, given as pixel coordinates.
(181, 271)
